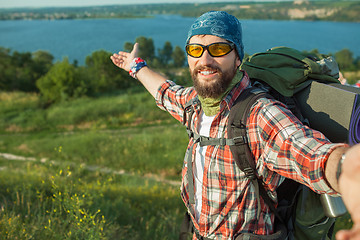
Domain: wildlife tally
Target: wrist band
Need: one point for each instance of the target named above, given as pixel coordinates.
(136, 65)
(339, 167)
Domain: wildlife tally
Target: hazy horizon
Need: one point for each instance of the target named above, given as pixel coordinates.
(89, 3)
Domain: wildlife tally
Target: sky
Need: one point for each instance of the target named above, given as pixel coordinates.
(78, 3)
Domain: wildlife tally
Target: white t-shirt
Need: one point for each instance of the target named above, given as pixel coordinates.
(204, 130)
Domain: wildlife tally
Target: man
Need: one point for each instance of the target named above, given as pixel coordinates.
(224, 204)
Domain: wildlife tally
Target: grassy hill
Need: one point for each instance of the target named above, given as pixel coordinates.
(102, 168)
(92, 168)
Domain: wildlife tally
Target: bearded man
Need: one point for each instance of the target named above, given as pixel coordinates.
(219, 198)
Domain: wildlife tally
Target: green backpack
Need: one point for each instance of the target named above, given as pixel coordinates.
(279, 73)
(289, 71)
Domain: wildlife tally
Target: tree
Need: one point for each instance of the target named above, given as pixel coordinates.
(128, 46)
(98, 71)
(165, 53)
(19, 71)
(103, 75)
(42, 62)
(178, 57)
(44, 58)
(23, 77)
(345, 59)
(6, 68)
(357, 63)
(62, 82)
(146, 48)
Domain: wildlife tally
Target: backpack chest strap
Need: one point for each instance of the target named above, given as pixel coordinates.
(207, 141)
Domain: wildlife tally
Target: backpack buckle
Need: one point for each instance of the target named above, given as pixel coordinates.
(188, 109)
(190, 133)
(249, 173)
(240, 140)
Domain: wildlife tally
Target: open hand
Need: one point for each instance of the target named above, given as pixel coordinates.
(350, 191)
(124, 59)
(351, 234)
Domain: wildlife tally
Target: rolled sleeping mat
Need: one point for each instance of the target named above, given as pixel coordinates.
(333, 109)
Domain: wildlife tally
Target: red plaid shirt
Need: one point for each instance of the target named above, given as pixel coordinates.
(282, 146)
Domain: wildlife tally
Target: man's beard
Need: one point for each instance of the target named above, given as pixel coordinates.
(216, 87)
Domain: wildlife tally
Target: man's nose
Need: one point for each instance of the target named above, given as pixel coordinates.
(206, 58)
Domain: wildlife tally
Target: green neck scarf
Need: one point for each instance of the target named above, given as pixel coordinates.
(211, 106)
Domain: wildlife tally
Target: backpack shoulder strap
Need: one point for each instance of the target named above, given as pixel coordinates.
(237, 127)
(237, 140)
(187, 115)
(242, 155)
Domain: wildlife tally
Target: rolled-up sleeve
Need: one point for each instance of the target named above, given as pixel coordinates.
(282, 144)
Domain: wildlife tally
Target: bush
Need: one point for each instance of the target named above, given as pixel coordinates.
(62, 82)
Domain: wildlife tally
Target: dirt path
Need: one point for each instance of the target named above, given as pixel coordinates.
(92, 168)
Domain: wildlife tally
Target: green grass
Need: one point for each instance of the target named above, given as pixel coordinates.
(43, 201)
(157, 149)
(125, 131)
(21, 112)
(101, 168)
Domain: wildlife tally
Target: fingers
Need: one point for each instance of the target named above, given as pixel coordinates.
(124, 59)
(351, 234)
(135, 50)
(346, 235)
(116, 59)
(349, 183)
(119, 59)
(121, 55)
(342, 235)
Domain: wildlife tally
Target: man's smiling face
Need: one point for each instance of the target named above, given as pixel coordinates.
(212, 75)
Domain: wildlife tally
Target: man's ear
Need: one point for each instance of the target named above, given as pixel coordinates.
(238, 62)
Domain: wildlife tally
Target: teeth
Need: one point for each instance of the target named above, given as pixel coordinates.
(208, 72)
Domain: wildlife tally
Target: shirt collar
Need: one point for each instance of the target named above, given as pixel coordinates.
(230, 98)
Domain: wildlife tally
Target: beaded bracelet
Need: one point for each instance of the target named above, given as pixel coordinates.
(339, 167)
(136, 65)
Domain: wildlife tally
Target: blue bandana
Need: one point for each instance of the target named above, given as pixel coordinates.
(220, 24)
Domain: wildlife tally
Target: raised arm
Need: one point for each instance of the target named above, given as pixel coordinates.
(348, 185)
(149, 78)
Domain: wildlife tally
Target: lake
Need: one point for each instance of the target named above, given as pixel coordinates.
(77, 39)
